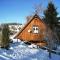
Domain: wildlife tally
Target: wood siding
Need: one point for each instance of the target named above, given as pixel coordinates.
(30, 36)
(25, 35)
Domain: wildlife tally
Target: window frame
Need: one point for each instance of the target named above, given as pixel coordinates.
(35, 27)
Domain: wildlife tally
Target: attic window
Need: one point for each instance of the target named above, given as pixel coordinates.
(35, 29)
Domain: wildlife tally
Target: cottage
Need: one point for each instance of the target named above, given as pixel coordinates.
(33, 31)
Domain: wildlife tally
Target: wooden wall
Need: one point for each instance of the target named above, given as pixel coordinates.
(26, 36)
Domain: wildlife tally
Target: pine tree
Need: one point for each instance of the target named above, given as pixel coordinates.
(51, 15)
(5, 36)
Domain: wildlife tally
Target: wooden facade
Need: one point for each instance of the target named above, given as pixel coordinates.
(34, 31)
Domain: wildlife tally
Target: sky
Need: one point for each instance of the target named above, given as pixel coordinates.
(17, 10)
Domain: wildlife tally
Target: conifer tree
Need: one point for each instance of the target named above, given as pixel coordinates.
(51, 15)
(5, 36)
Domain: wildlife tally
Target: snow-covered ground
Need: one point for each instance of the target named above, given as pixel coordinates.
(20, 51)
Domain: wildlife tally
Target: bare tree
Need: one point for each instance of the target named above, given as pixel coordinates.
(48, 38)
(28, 17)
(38, 8)
(52, 39)
(50, 0)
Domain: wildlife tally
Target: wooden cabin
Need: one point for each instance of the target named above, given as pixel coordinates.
(34, 31)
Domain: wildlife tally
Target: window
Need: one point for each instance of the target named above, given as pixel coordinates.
(35, 29)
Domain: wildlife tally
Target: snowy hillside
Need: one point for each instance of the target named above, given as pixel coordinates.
(20, 51)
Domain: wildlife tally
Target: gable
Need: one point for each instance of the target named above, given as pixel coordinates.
(35, 21)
